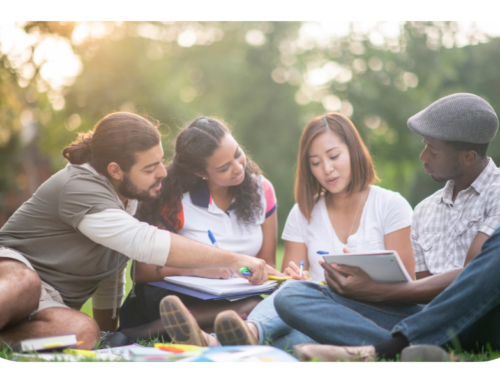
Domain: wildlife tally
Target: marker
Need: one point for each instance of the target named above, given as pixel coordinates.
(80, 352)
(301, 268)
(212, 239)
(52, 345)
(322, 252)
(245, 271)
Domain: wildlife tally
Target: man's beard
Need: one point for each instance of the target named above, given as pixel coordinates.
(452, 174)
(129, 190)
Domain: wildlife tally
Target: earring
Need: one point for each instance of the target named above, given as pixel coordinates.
(203, 178)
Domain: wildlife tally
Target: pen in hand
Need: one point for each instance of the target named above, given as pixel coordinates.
(245, 271)
(301, 268)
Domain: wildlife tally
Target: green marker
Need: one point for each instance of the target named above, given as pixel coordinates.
(245, 271)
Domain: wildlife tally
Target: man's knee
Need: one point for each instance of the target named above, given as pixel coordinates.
(65, 320)
(20, 289)
(21, 277)
(30, 283)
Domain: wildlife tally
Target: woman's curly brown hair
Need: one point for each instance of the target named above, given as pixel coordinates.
(193, 145)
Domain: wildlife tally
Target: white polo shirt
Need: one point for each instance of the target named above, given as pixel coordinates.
(199, 213)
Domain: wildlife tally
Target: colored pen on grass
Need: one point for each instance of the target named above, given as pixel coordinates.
(86, 354)
(301, 268)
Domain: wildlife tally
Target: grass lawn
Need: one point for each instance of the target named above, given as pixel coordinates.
(484, 355)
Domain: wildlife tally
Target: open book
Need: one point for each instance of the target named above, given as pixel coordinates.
(221, 287)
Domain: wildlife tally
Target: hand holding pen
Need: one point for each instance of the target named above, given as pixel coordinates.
(254, 269)
(294, 271)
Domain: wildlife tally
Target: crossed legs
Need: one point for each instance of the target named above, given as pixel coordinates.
(467, 311)
(20, 289)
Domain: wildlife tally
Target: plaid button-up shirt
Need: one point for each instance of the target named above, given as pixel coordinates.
(442, 230)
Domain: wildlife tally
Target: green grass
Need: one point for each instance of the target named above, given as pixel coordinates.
(6, 353)
(483, 357)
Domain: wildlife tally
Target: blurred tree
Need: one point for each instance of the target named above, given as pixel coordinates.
(381, 81)
(224, 72)
(22, 105)
(265, 79)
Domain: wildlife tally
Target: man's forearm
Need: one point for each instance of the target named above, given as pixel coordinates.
(189, 254)
(420, 291)
(186, 253)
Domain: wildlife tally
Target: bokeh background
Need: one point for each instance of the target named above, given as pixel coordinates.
(265, 79)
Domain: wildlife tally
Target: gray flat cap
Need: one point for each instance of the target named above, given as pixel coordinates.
(461, 117)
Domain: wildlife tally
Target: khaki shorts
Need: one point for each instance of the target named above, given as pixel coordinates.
(50, 297)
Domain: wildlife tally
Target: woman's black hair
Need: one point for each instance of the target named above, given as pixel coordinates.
(193, 145)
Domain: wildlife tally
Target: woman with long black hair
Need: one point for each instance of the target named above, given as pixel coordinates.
(210, 185)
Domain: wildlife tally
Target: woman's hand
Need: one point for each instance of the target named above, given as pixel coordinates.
(293, 270)
(215, 273)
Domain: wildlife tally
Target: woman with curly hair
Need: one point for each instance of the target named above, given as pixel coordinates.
(210, 185)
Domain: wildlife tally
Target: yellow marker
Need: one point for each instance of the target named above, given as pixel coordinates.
(276, 278)
(323, 283)
(183, 347)
(80, 352)
(52, 345)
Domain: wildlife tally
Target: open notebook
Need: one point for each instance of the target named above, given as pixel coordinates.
(221, 287)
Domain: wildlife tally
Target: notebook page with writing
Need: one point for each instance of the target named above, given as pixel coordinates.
(230, 286)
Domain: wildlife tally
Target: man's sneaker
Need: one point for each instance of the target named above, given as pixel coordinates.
(114, 339)
(179, 323)
(231, 330)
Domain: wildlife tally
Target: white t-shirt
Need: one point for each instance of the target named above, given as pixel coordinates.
(385, 211)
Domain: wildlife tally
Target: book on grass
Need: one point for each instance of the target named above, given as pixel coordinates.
(155, 354)
(46, 343)
(382, 266)
(222, 287)
(250, 354)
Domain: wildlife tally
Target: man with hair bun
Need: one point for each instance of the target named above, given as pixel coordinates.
(456, 243)
(72, 239)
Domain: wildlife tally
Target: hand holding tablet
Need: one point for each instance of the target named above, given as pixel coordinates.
(381, 266)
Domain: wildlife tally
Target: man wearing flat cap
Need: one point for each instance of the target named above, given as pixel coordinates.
(455, 304)
(450, 227)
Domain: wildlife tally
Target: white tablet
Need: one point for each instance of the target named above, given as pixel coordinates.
(382, 266)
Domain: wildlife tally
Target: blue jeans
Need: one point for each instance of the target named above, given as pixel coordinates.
(467, 313)
(273, 329)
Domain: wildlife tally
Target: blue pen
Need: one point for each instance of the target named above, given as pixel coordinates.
(322, 252)
(212, 239)
(301, 268)
(214, 242)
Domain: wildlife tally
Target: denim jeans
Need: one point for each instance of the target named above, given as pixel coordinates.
(271, 328)
(467, 313)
